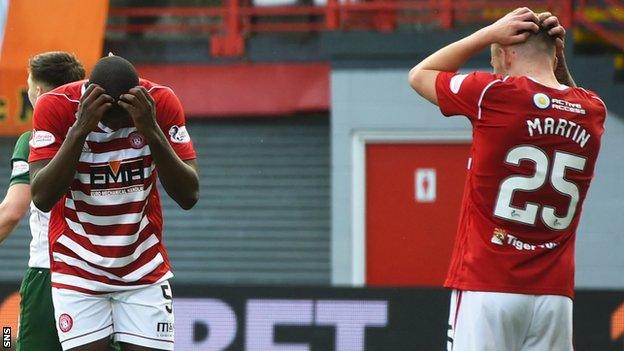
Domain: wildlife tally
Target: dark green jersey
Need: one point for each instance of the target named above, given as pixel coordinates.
(19, 161)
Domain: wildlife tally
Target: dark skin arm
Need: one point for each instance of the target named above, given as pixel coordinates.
(555, 29)
(50, 179)
(179, 178)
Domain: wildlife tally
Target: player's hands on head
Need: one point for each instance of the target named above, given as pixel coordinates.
(141, 107)
(93, 105)
(550, 22)
(514, 28)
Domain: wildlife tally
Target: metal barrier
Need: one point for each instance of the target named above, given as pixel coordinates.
(228, 23)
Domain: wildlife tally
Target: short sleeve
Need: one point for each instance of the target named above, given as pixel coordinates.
(461, 94)
(19, 161)
(170, 116)
(48, 129)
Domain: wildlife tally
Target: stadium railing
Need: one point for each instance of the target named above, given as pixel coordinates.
(229, 22)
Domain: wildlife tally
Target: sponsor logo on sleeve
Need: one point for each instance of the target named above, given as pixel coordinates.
(178, 134)
(456, 82)
(19, 167)
(41, 138)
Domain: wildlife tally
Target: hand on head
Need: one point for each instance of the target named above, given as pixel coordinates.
(93, 105)
(551, 23)
(514, 28)
(141, 107)
(518, 25)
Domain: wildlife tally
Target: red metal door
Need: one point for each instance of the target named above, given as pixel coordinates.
(413, 198)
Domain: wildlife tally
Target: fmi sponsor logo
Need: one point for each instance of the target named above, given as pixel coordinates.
(164, 329)
(543, 101)
(502, 237)
(6, 337)
(117, 178)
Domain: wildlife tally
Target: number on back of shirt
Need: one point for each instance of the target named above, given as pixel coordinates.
(552, 171)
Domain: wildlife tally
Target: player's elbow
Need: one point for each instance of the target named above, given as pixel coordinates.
(415, 78)
(41, 202)
(189, 201)
(10, 216)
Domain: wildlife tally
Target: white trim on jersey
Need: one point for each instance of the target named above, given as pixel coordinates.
(63, 95)
(108, 262)
(106, 200)
(159, 87)
(483, 93)
(73, 280)
(597, 98)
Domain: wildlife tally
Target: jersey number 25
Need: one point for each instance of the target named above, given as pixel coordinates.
(528, 214)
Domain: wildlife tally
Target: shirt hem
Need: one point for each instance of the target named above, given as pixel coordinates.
(511, 289)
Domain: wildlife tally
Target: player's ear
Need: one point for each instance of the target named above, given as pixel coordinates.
(555, 62)
(507, 57)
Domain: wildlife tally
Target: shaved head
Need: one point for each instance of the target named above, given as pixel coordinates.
(539, 43)
(538, 48)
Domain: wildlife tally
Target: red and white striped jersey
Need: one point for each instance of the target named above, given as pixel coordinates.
(106, 231)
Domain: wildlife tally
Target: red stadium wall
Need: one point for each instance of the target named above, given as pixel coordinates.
(245, 89)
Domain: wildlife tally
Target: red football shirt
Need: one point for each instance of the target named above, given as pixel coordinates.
(532, 160)
(106, 231)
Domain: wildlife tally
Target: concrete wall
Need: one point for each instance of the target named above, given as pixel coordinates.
(381, 100)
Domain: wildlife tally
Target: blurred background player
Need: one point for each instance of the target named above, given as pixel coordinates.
(94, 157)
(535, 144)
(37, 330)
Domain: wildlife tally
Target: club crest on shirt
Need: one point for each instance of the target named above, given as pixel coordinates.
(65, 322)
(541, 100)
(498, 237)
(178, 134)
(41, 138)
(136, 140)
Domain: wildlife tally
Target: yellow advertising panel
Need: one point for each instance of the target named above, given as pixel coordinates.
(35, 26)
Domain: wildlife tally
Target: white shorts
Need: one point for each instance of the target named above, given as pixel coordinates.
(489, 321)
(141, 317)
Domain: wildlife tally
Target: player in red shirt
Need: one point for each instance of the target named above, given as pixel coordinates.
(535, 143)
(97, 150)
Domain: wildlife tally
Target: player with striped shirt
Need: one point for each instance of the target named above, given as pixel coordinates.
(96, 150)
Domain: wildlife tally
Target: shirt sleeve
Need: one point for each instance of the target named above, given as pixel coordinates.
(19, 161)
(170, 116)
(49, 131)
(461, 94)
